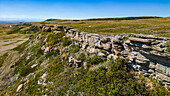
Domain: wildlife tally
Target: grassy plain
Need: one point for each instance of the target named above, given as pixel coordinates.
(9, 41)
(157, 26)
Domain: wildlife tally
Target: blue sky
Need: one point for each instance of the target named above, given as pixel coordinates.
(80, 9)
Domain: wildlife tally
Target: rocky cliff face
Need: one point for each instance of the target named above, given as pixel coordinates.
(147, 54)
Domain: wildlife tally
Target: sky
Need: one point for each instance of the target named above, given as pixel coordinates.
(81, 9)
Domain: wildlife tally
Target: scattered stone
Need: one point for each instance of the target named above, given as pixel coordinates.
(20, 88)
(141, 40)
(147, 53)
(34, 65)
(160, 68)
(101, 54)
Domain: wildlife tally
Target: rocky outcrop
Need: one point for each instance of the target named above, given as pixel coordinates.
(49, 28)
(146, 53)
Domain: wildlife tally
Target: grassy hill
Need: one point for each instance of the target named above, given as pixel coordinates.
(50, 73)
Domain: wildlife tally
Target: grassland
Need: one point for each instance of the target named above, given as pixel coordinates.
(12, 43)
(9, 41)
(157, 26)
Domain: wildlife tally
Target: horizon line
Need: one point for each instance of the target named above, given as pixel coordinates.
(2, 18)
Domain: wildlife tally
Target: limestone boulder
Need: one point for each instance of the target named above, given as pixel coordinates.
(160, 68)
(168, 71)
(55, 32)
(152, 65)
(116, 40)
(110, 56)
(107, 46)
(141, 40)
(85, 45)
(144, 36)
(162, 77)
(101, 54)
(105, 39)
(151, 71)
(93, 50)
(48, 29)
(47, 50)
(142, 63)
(78, 63)
(71, 59)
(19, 87)
(59, 27)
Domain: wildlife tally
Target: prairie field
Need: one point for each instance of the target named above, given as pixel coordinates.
(158, 26)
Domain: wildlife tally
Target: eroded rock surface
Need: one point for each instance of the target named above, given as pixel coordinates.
(146, 53)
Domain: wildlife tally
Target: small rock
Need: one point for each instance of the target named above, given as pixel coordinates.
(34, 65)
(110, 56)
(101, 54)
(19, 87)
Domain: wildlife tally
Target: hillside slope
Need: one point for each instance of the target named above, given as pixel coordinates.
(52, 63)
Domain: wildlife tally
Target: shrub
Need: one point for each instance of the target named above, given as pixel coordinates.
(55, 38)
(21, 47)
(15, 30)
(82, 57)
(74, 48)
(66, 42)
(27, 24)
(54, 69)
(168, 49)
(53, 52)
(31, 30)
(2, 58)
(168, 44)
(125, 39)
(26, 70)
(94, 60)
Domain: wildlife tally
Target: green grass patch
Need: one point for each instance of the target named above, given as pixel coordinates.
(2, 59)
(168, 44)
(94, 60)
(125, 39)
(74, 48)
(21, 47)
(31, 30)
(55, 38)
(66, 42)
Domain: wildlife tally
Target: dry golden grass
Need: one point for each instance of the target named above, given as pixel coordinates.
(158, 26)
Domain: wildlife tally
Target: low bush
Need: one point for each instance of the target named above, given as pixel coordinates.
(66, 42)
(168, 44)
(74, 48)
(31, 30)
(94, 60)
(2, 59)
(55, 38)
(125, 39)
(15, 30)
(54, 53)
(27, 24)
(26, 70)
(54, 69)
(21, 47)
(81, 56)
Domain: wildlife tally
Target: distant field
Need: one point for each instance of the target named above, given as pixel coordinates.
(156, 26)
(9, 41)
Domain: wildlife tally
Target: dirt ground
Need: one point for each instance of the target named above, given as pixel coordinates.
(7, 44)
